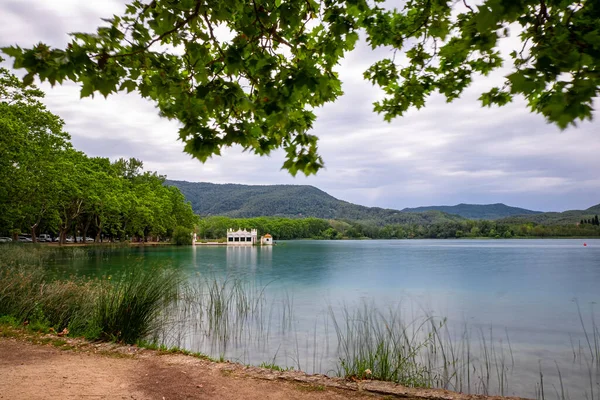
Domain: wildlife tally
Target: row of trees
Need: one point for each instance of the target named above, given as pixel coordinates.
(286, 228)
(48, 186)
(279, 228)
(592, 221)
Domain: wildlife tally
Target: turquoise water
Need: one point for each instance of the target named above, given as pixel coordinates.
(520, 295)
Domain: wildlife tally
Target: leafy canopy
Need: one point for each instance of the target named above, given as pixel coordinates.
(251, 72)
(48, 186)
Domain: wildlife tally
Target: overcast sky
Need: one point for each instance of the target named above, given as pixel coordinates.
(443, 154)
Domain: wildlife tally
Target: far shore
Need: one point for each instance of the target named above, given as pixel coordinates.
(222, 243)
(92, 244)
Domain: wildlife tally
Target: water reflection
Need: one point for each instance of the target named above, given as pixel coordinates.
(241, 257)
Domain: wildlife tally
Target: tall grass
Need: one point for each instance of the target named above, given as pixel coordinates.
(125, 308)
(37, 254)
(27, 294)
(421, 353)
(128, 308)
(228, 310)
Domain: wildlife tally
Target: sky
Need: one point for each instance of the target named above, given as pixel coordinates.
(443, 154)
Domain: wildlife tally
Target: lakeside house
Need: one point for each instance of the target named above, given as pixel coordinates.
(242, 237)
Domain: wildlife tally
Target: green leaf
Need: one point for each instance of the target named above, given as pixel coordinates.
(128, 85)
(28, 79)
(87, 90)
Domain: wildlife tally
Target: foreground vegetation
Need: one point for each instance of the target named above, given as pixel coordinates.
(123, 308)
(47, 186)
(315, 228)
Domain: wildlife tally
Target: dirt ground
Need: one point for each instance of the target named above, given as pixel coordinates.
(74, 369)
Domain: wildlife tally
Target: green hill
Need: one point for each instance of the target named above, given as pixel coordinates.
(297, 201)
(556, 218)
(594, 209)
(477, 211)
(245, 201)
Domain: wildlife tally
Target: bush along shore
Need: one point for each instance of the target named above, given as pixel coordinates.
(156, 307)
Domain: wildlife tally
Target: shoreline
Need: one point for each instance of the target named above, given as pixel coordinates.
(224, 244)
(33, 359)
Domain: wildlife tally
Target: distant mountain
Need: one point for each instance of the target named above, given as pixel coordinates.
(244, 201)
(477, 211)
(556, 218)
(594, 209)
(294, 201)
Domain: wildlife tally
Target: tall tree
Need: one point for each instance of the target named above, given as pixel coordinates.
(258, 85)
(31, 143)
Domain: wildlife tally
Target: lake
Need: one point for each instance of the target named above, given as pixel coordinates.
(514, 301)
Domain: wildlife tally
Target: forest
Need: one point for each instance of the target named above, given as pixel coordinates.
(316, 228)
(47, 186)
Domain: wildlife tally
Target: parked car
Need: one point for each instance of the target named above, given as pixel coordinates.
(25, 239)
(89, 239)
(4, 239)
(69, 239)
(44, 237)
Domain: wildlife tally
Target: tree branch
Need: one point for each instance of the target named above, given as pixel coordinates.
(468, 6)
(177, 26)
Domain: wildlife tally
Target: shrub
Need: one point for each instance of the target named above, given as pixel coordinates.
(182, 236)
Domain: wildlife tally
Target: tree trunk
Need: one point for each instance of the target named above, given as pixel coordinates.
(33, 236)
(99, 223)
(62, 233)
(37, 223)
(85, 230)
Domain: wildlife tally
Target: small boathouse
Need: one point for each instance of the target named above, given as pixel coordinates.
(266, 240)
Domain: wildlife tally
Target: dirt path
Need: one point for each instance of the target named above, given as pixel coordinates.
(75, 369)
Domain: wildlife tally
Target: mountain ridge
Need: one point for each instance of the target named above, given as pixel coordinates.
(477, 211)
(555, 218)
(294, 201)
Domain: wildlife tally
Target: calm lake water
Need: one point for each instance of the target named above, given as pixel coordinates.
(519, 296)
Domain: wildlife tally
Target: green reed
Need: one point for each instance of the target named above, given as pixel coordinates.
(128, 307)
(125, 308)
(421, 353)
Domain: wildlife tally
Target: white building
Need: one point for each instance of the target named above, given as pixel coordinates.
(266, 240)
(241, 237)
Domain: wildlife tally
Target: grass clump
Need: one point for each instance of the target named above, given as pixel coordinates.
(124, 309)
(422, 353)
(27, 294)
(311, 388)
(128, 307)
(275, 367)
(376, 346)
